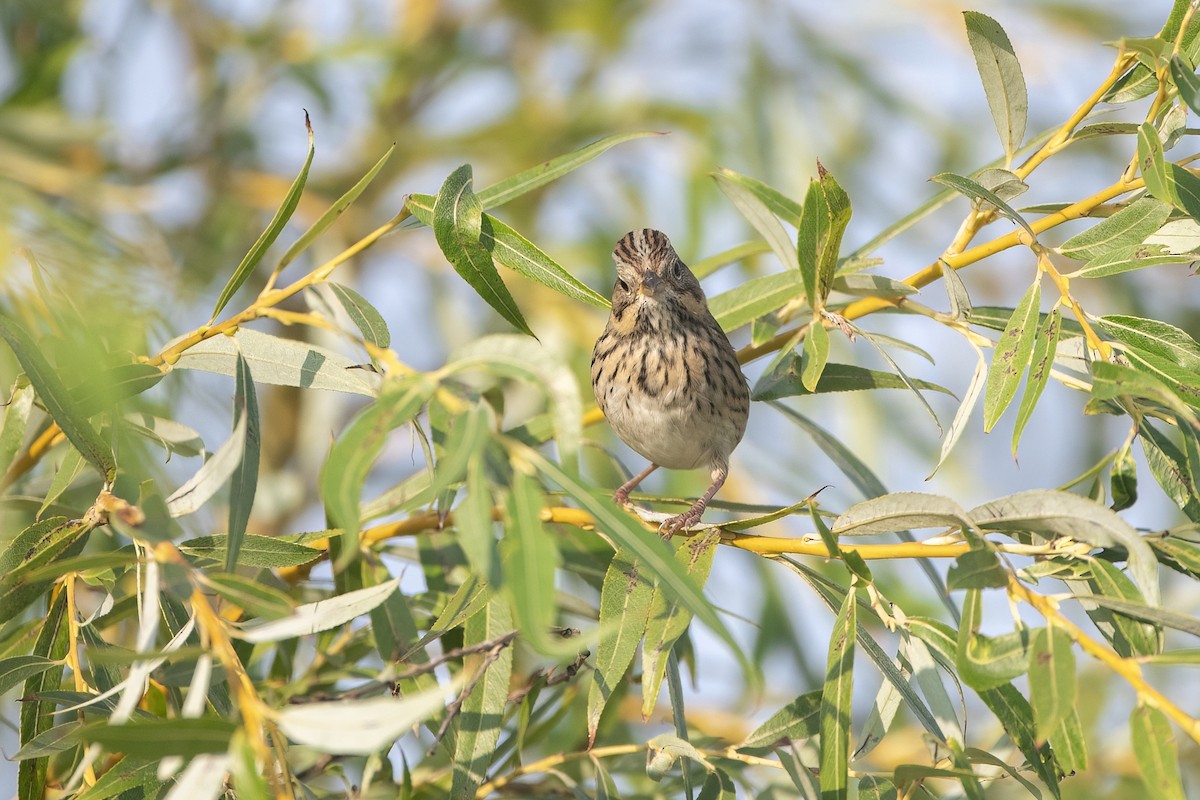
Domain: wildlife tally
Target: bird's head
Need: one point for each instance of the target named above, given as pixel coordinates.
(648, 267)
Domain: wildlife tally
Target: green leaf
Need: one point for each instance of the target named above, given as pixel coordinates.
(755, 298)
(1122, 480)
(707, 266)
(1003, 82)
(13, 422)
(358, 727)
(265, 552)
(366, 318)
(1012, 355)
(871, 285)
(480, 722)
(59, 738)
(530, 557)
(649, 551)
(360, 444)
(128, 774)
(159, 738)
(332, 213)
(1016, 716)
(899, 511)
(836, 697)
(973, 190)
(1052, 514)
(256, 598)
(1129, 226)
(37, 717)
(68, 470)
(1154, 337)
(1129, 258)
(823, 221)
(16, 669)
(758, 214)
(518, 254)
(319, 616)
(1044, 348)
(268, 237)
(787, 381)
(667, 619)
(959, 423)
(987, 662)
(1116, 382)
(779, 204)
(799, 719)
(1069, 745)
(279, 361)
(245, 475)
(32, 553)
(1154, 747)
(1187, 190)
(977, 569)
(1051, 679)
(816, 355)
(1154, 167)
(473, 520)
(523, 182)
(60, 405)
(457, 226)
(1186, 82)
(1129, 637)
(625, 600)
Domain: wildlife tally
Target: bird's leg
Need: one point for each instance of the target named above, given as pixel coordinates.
(621, 496)
(692, 515)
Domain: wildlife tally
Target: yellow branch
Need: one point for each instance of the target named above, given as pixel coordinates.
(1125, 667)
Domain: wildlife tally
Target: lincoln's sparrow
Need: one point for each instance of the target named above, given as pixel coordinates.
(664, 372)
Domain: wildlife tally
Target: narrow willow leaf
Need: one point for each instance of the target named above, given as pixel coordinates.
(59, 738)
(929, 678)
(1069, 745)
(1044, 348)
(787, 382)
(899, 511)
(34, 550)
(332, 213)
(1003, 82)
(1157, 757)
(1015, 715)
(366, 318)
(212, 475)
(1052, 514)
(1012, 355)
(281, 362)
(518, 254)
(871, 285)
(780, 205)
(482, 714)
(268, 237)
(60, 405)
(1187, 190)
(625, 598)
(13, 422)
(836, 697)
(457, 226)
(1129, 637)
(68, 470)
(37, 716)
(319, 616)
(707, 266)
(264, 552)
(245, 476)
(755, 298)
(799, 719)
(1051, 679)
(977, 569)
(152, 737)
(358, 727)
(1187, 82)
(1178, 236)
(652, 554)
(359, 446)
(1115, 382)
(823, 221)
(883, 714)
(523, 182)
(959, 423)
(18, 668)
(973, 190)
(988, 662)
(1129, 258)
(1129, 226)
(758, 214)
(473, 520)
(667, 619)
(912, 385)
(1154, 337)
(256, 598)
(1156, 616)
(1154, 167)
(530, 558)
(1122, 480)
(816, 355)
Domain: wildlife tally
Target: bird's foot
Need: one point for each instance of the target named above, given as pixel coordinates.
(679, 522)
(621, 497)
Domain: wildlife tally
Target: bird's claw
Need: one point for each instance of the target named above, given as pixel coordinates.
(677, 523)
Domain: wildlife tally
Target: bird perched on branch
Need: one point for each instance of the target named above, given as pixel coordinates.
(664, 373)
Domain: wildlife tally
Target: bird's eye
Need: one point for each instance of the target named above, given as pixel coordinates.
(677, 270)
(624, 286)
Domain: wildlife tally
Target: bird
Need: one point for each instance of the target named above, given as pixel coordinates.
(665, 374)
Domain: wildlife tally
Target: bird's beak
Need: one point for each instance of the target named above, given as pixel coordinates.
(650, 283)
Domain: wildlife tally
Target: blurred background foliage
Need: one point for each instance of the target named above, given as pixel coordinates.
(144, 145)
